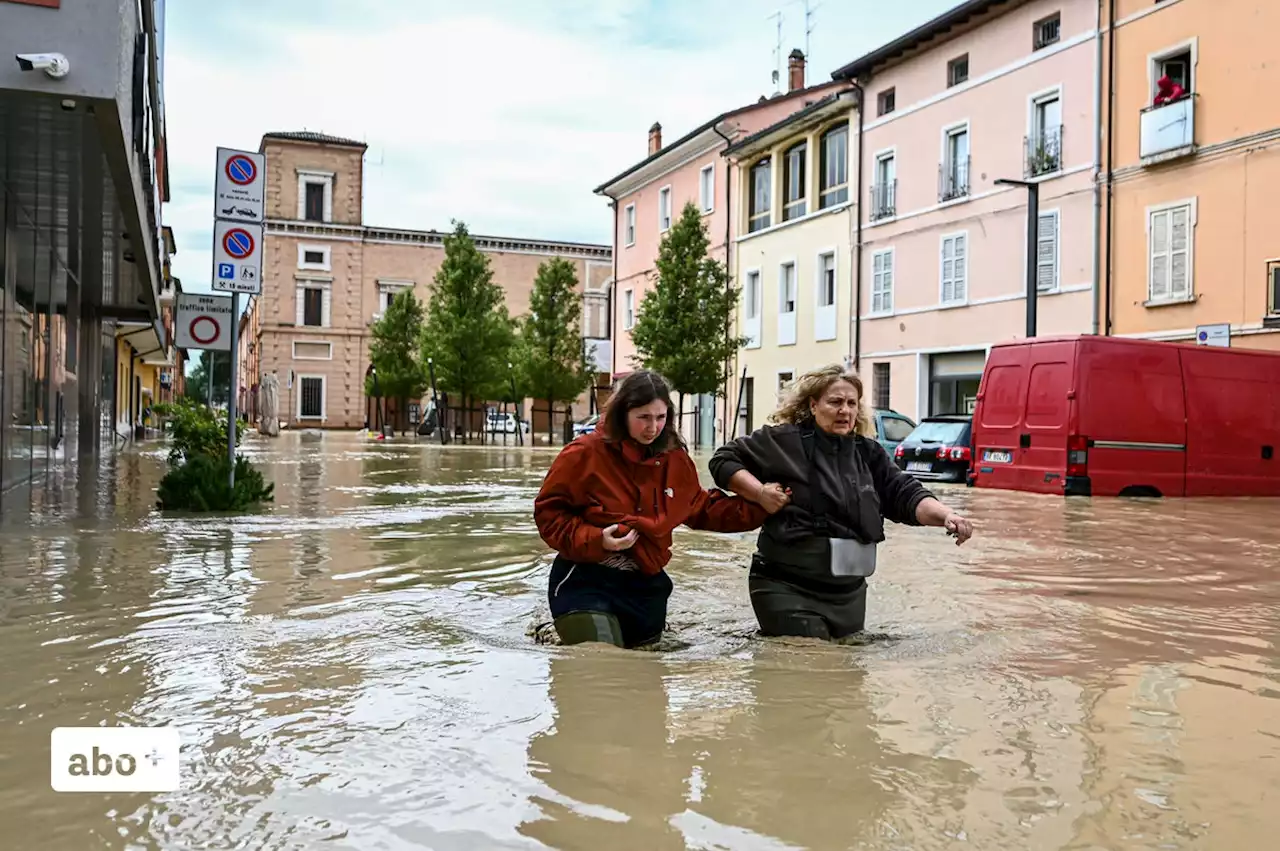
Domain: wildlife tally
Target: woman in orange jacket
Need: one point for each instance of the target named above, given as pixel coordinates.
(608, 506)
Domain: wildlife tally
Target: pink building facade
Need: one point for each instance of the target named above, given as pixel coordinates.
(647, 198)
(989, 91)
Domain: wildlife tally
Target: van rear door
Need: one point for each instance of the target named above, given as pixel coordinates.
(1231, 421)
(997, 419)
(1043, 439)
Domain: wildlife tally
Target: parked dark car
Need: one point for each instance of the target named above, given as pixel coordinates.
(940, 449)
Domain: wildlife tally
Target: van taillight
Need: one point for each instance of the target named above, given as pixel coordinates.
(1077, 455)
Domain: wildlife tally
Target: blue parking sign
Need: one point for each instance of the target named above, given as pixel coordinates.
(226, 271)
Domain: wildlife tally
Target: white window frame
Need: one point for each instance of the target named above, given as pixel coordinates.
(1155, 59)
(942, 281)
(1057, 251)
(950, 130)
(753, 302)
(892, 272)
(707, 188)
(880, 157)
(788, 319)
(825, 325)
(324, 178)
(628, 309)
(296, 356)
(1273, 291)
(777, 380)
(629, 225)
(324, 397)
(326, 302)
(1034, 103)
(325, 265)
(664, 215)
(392, 286)
(1191, 204)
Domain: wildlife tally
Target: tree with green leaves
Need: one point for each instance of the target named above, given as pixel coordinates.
(549, 355)
(683, 327)
(394, 355)
(197, 385)
(467, 331)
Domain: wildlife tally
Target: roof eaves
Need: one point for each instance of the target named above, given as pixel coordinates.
(796, 118)
(920, 35)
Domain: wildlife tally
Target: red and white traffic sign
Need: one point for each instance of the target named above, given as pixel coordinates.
(203, 322)
(238, 188)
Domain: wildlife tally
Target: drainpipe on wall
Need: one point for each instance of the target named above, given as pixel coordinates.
(1097, 167)
(613, 349)
(857, 240)
(1111, 110)
(730, 364)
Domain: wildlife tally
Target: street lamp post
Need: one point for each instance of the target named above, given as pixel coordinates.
(1033, 234)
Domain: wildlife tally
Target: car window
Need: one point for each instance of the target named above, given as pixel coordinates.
(939, 431)
(896, 429)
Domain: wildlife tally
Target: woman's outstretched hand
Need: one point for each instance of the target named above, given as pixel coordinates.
(620, 542)
(958, 526)
(773, 497)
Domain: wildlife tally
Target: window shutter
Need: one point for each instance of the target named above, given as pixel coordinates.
(887, 297)
(301, 300)
(1179, 253)
(961, 289)
(1047, 253)
(1159, 283)
(948, 270)
(877, 283)
(324, 307)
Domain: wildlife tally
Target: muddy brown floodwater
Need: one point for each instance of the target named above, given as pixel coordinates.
(353, 669)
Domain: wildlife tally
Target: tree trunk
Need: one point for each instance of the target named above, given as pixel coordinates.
(466, 419)
(551, 422)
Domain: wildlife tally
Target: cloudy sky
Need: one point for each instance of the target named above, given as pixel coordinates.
(502, 113)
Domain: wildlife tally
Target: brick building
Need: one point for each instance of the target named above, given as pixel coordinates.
(327, 277)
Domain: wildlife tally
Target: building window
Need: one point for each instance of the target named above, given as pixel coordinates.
(628, 310)
(312, 392)
(886, 101)
(314, 258)
(664, 209)
(751, 295)
(955, 269)
(1273, 289)
(1178, 67)
(1046, 31)
(882, 281)
(707, 188)
(313, 304)
(880, 386)
(629, 225)
(953, 174)
(1047, 252)
(387, 292)
(312, 350)
(787, 288)
(793, 182)
(1044, 142)
(761, 195)
(958, 71)
(884, 191)
(315, 195)
(826, 280)
(833, 187)
(785, 377)
(1169, 238)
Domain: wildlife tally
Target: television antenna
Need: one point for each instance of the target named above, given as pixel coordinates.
(809, 27)
(777, 51)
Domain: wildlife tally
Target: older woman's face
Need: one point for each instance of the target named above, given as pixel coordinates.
(836, 411)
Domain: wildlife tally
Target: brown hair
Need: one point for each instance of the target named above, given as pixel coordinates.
(810, 387)
(635, 391)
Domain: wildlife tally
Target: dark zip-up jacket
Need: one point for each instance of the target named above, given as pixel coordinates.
(859, 484)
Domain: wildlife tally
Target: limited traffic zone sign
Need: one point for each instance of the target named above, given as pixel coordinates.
(237, 258)
(203, 322)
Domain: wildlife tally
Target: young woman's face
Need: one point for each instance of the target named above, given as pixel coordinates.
(836, 412)
(645, 423)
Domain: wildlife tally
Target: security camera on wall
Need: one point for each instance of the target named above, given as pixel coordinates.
(53, 64)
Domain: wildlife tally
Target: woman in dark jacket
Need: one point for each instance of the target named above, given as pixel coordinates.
(830, 485)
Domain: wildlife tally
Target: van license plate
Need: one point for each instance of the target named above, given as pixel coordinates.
(919, 466)
(996, 456)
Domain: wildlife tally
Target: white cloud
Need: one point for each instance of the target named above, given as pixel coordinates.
(504, 116)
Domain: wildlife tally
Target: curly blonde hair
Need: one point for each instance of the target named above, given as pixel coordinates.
(810, 387)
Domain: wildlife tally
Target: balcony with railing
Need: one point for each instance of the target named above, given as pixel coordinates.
(1168, 131)
(953, 180)
(884, 200)
(1043, 152)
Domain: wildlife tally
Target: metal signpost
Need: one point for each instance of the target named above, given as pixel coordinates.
(239, 210)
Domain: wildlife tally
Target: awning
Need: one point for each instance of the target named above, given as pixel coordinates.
(145, 338)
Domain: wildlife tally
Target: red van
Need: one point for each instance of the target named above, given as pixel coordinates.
(1111, 416)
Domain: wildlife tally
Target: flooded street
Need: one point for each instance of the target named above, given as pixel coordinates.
(354, 668)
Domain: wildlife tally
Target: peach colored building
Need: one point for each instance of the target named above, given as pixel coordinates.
(990, 90)
(648, 196)
(327, 277)
(1195, 226)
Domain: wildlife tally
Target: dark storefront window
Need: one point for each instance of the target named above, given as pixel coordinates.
(953, 382)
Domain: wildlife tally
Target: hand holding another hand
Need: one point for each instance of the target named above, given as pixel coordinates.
(773, 497)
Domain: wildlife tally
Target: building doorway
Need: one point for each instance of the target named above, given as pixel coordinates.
(953, 382)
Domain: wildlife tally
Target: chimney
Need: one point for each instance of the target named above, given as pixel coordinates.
(655, 138)
(795, 64)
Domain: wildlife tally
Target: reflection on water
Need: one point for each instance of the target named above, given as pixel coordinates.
(352, 666)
